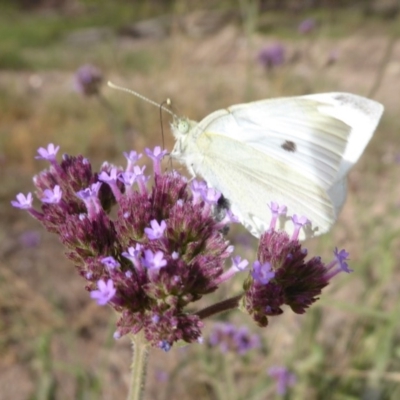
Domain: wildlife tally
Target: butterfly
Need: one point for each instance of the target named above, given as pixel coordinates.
(294, 151)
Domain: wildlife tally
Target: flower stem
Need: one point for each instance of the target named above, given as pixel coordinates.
(138, 367)
(222, 306)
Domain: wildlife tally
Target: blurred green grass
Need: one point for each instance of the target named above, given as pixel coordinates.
(345, 347)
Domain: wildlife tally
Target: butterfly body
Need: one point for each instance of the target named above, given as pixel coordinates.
(294, 151)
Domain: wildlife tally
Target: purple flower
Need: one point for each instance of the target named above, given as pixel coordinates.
(156, 231)
(154, 261)
(276, 211)
(156, 155)
(133, 254)
(90, 198)
(88, 79)
(210, 195)
(298, 222)
(229, 337)
(111, 177)
(110, 262)
(164, 345)
(240, 264)
(152, 250)
(127, 178)
(296, 282)
(262, 273)
(307, 26)
(132, 158)
(24, 203)
(339, 262)
(49, 153)
(52, 196)
(141, 179)
(90, 192)
(106, 291)
(198, 189)
(272, 55)
(283, 377)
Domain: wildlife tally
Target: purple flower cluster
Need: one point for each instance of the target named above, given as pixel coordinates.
(280, 275)
(272, 55)
(88, 79)
(229, 337)
(163, 251)
(166, 249)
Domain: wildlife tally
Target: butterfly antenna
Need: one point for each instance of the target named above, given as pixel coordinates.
(140, 96)
(167, 102)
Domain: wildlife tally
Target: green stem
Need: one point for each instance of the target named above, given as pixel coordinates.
(138, 367)
(383, 65)
(222, 306)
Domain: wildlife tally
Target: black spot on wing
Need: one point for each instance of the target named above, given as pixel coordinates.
(222, 206)
(223, 203)
(289, 146)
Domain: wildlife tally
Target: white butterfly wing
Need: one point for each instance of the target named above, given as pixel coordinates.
(294, 151)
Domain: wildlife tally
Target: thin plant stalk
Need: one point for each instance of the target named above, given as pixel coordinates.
(138, 367)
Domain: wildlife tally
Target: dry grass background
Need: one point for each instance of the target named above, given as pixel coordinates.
(55, 343)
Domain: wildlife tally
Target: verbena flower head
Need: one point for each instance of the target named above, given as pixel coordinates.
(88, 79)
(229, 337)
(272, 55)
(163, 251)
(281, 275)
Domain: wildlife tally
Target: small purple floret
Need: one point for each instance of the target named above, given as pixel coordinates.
(49, 153)
(164, 345)
(106, 291)
(239, 264)
(211, 195)
(156, 155)
(262, 273)
(298, 222)
(156, 231)
(52, 196)
(154, 261)
(110, 262)
(109, 177)
(132, 158)
(23, 202)
(276, 211)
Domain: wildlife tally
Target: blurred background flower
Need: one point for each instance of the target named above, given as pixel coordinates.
(88, 80)
(283, 378)
(229, 337)
(307, 26)
(271, 55)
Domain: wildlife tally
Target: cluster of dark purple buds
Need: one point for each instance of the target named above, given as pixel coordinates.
(165, 247)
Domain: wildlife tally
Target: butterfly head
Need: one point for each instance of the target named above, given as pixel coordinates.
(180, 127)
